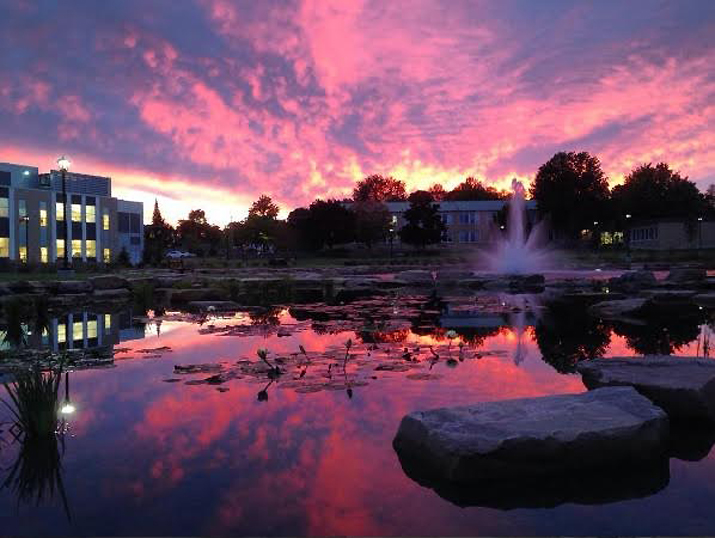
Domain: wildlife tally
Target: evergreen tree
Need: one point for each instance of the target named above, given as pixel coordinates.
(424, 224)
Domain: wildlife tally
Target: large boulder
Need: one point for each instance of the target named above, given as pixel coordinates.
(619, 310)
(534, 437)
(633, 281)
(108, 282)
(73, 287)
(684, 387)
(689, 275)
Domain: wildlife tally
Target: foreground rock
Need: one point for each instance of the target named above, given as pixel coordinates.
(633, 281)
(683, 275)
(624, 308)
(533, 438)
(684, 387)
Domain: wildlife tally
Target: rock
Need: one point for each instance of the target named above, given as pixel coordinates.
(533, 437)
(670, 296)
(74, 286)
(618, 309)
(139, 281)
(122, 294)
(682, 275)
(197, 294)
(632, 281)
(683, 387)
(416, 277)
(704, 299)
(108, 282)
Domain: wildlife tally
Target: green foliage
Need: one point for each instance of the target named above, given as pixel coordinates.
(35, 402)
(372, 222)
(323, 224)
(424, 225)
(123, 258)
(264, 207)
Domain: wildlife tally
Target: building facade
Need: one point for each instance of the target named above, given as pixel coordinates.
(37, 224)
(475, 222)
(671, 234)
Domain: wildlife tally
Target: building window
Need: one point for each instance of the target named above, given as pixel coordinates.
(107, 255)
(4, 247)
(91, 328)
(22, 208)
(78, 331)
(91, 249)
(61, 333)
(105, 220)
(60, 248)
(124, 225)
(76, 248)
(23, 254)
(76, 212)
(43, 214)
(90, 214)
(107, 319)
(4, 207)
(60, 211)
(44, 255)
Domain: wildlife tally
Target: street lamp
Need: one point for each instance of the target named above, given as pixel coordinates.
(700, 234)
(628, 238)
(64, 165)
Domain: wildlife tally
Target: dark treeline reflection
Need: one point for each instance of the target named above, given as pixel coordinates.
(566, 335)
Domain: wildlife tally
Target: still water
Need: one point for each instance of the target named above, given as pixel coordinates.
(145, 453)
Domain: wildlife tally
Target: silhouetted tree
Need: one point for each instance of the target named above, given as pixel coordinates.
(473, 189)
(372, 222)
(323, 224)
(376, 188)
(572, 190)
(424, 225)
(158, 237)
(657, 192)
(437, 191)
(264, 207)
(197, 235)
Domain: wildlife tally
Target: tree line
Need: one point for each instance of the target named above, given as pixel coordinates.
(571, 191)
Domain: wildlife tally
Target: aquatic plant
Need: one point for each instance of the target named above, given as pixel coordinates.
(263, 355)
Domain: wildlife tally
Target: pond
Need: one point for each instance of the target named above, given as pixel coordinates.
(156, 445)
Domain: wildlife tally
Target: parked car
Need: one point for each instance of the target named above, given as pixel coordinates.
(178, 254)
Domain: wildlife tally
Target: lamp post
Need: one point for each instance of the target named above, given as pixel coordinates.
(700, 235)
(595, 234)
(628, 239)
(68, 407)
(392, 238)
(64, 164)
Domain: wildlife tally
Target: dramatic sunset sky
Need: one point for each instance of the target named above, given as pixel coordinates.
(210, 103)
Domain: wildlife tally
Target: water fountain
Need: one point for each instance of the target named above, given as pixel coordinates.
(519, 252)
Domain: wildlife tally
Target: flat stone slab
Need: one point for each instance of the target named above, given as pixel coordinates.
(683, 386)
(533, 437)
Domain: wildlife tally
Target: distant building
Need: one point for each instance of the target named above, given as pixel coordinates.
(32, 220)
(466, 221)
(672, 234)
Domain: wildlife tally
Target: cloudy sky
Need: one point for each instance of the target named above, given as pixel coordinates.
(210, 103)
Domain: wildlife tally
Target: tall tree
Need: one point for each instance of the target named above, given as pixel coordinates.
(372, 222)
(324, 224)
(437, 191)
(473, 189)
(376, 188)
(158, 237)
(424, 225)
(264, 207)
(197, 235)
(572, 190)
(657, 192)
(156, 218)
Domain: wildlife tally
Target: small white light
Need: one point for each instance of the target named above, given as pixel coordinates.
(67, 409)
(64, 163)
(26, 173)
(628, 215)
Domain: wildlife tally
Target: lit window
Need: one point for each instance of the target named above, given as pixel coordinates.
(60, 248)
(4, 207)
(105, 220)
(90, 214)
(76, 212)
(107, 255)
(4, 247)
(23, 254)
(43, 214)
(60, 210)
(44, 256)
(78, 330)
(91, 245)
(91, 328)
(76, 248)
(22, 208)
(61, 333)
(107, 321)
